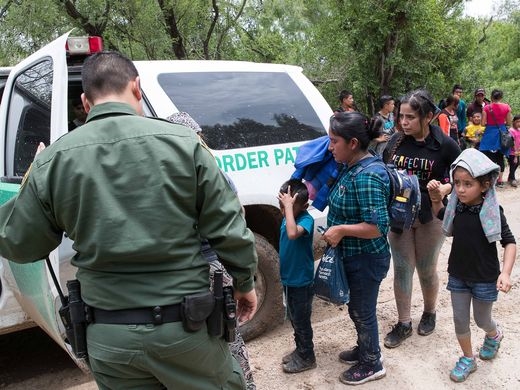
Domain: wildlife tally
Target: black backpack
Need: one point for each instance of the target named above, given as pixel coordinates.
(405, 194)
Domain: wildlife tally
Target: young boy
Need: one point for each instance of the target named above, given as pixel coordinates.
(297, 272)
(475, 130)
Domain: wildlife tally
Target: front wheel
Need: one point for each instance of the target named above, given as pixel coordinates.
(270, 310)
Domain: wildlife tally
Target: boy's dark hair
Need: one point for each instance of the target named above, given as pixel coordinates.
(455, 87)
(105, 73)
(384, 99)
(344, 94)
(297, 186)
(516, 117)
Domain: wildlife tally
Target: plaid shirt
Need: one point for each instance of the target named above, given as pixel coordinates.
(362, 198)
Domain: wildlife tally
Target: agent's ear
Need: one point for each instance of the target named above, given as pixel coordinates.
(486, 185)
(136, 88)
(86, 104)
(305, 206)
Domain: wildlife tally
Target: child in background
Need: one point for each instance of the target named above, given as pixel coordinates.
(474, 130)
(297, 272)
(476, 221)
(512, 158)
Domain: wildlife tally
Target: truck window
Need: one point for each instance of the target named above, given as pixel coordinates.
(28, 118)
(244, 109)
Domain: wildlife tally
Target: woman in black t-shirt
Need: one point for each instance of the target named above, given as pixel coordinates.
(421, 149)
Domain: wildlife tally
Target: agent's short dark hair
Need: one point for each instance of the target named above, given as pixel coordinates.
(348, 125)
(384, 99)
(421, 102)
(297, 186)
(344, 94)
(516, 117)
(106, 72)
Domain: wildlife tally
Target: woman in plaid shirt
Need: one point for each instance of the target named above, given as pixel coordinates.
(358, 223)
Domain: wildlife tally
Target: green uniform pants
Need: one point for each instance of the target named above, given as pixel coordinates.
(155, 357)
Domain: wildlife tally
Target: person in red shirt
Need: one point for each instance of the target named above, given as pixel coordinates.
(495, 117)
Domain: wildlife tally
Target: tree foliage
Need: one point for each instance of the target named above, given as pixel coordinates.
(370, 47)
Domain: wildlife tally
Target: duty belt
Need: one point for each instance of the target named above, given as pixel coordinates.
(149, 315)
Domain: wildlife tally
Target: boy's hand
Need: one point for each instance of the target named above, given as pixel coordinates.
(286, 198)
(434, 191)
(504, 282)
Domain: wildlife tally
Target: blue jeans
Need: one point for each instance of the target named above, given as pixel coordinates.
(486, 292)
(364, 274)
(299, 305)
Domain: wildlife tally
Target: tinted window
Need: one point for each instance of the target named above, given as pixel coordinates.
(243, 109)
(28, 121)
(3, 79)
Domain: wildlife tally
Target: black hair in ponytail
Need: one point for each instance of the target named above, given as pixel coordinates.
(354, 124)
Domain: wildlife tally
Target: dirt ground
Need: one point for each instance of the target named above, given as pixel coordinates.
(419, 363)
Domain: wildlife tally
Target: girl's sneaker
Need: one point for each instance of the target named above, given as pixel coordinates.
(491, 345)
(463, 368)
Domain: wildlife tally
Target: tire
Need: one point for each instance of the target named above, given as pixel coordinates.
(270, 311)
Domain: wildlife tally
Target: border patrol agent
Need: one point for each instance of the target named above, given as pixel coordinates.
(135, 195)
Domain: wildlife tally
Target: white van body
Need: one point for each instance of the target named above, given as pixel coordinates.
(254, 117)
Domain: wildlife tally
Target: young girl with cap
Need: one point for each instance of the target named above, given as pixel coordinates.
(476, 221)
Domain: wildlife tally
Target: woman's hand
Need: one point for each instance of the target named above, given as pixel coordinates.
(333, 235)
(434, 190)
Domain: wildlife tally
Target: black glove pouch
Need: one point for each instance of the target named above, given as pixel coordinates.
(195, 309)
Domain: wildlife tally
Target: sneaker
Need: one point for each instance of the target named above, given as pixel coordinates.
(287, 358)
(362, 373)
(500, 184)
(351, 356)
(398, 334)
(463, 368)
(427, 324)
(491, 345)
(513, 183)
(298, 364)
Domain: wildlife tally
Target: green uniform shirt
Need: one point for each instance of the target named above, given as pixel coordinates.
(135, 195)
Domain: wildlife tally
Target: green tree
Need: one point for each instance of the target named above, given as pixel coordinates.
(370, 47)
(392, 46)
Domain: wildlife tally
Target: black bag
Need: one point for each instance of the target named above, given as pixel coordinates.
(330, 281)
(506, 140)
(405, 194)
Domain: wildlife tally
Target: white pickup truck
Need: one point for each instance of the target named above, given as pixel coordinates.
(254, 117)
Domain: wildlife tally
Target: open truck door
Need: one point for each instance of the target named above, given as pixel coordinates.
(34, 110)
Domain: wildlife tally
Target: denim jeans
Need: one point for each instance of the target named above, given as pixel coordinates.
(483, 291)
(299, 305)
(364, 274)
